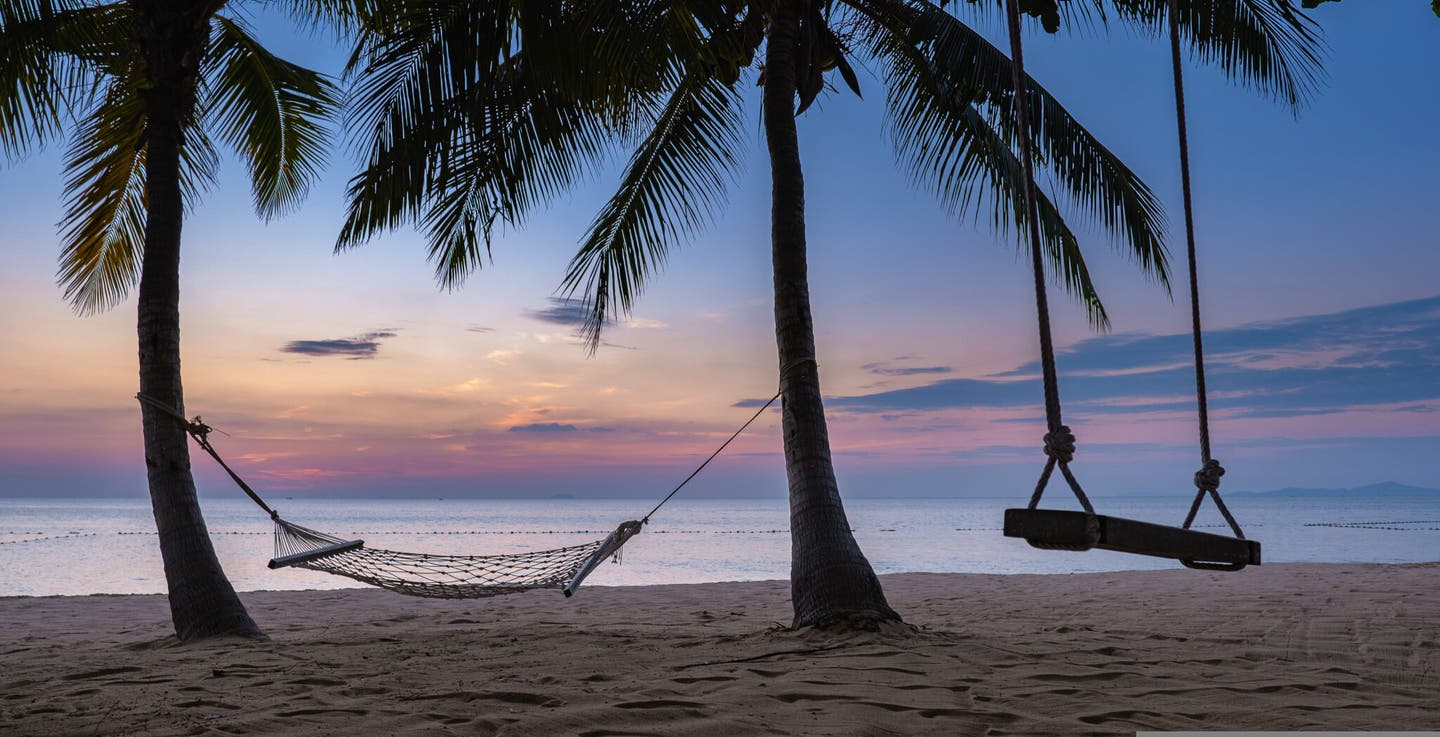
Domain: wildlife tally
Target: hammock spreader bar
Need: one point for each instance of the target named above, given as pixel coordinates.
(295, 559)
(609, 547)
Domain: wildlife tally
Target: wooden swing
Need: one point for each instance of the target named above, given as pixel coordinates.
(1053, 529)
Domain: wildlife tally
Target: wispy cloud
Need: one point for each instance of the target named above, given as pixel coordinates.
(751, 403)
(357, 348)
(560, 311)
(470, 386)
(886, 368)
(544, 427)
(1384, 355)
(503, 356)
(574, 313)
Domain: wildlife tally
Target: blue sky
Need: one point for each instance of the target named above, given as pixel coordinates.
(353, 373)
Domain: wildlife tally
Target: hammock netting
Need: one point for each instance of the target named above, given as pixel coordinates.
(445, 576)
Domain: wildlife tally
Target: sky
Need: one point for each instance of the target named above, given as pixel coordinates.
(353, 374)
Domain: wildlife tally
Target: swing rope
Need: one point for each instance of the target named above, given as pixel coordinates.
(1207, 479)
(1059, 440)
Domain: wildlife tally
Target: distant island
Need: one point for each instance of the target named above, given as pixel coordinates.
(1384, 488)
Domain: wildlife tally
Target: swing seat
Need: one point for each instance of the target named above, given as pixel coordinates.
(1057, 529)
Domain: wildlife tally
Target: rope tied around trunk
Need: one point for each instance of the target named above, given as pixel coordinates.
(201, 433)
(196, 427)
(796, 363)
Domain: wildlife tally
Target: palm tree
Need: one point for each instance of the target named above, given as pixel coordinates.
(473, 115)
(151, 85)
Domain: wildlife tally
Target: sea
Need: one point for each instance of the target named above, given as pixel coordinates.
(70, 547)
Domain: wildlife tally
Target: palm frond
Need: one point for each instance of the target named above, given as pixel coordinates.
(104, 221)
(674, 184)
(273, 112)
(949, 96)
(470, 118)
(977, 165)
(523, 154)
(342, 18)
(1270, 46)
(48, 50)
(956, 153)
(408, 74)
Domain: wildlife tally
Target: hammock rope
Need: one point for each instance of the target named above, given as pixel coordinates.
(434, 575)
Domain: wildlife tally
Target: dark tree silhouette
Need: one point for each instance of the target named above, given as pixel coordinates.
(148, 83)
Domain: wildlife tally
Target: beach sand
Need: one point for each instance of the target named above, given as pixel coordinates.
(1280, 647)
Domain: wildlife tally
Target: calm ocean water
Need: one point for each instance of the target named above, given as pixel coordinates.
(71, 547)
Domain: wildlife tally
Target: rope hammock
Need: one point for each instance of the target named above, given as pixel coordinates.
(432, 575)
(1063, 530)
(445, 576)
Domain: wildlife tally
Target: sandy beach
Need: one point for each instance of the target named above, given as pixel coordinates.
(1281, 647)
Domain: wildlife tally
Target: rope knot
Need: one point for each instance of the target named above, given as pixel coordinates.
(1060, 444)
(197, 428)
(1208, 477)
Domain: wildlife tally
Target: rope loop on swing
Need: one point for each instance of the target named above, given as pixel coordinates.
(1060, 444)
(1208, 477)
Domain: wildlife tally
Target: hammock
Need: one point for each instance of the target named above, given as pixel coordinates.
(445, 576)
(433, 575)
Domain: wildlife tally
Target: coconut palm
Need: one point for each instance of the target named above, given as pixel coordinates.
(470, 115)
(145, 89)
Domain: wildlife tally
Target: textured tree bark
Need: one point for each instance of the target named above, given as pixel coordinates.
(831, 582)
(202, 601)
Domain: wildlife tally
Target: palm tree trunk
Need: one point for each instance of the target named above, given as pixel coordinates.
(202, 601)
(831, 582)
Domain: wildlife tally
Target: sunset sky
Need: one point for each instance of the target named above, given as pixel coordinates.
(353, 374)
